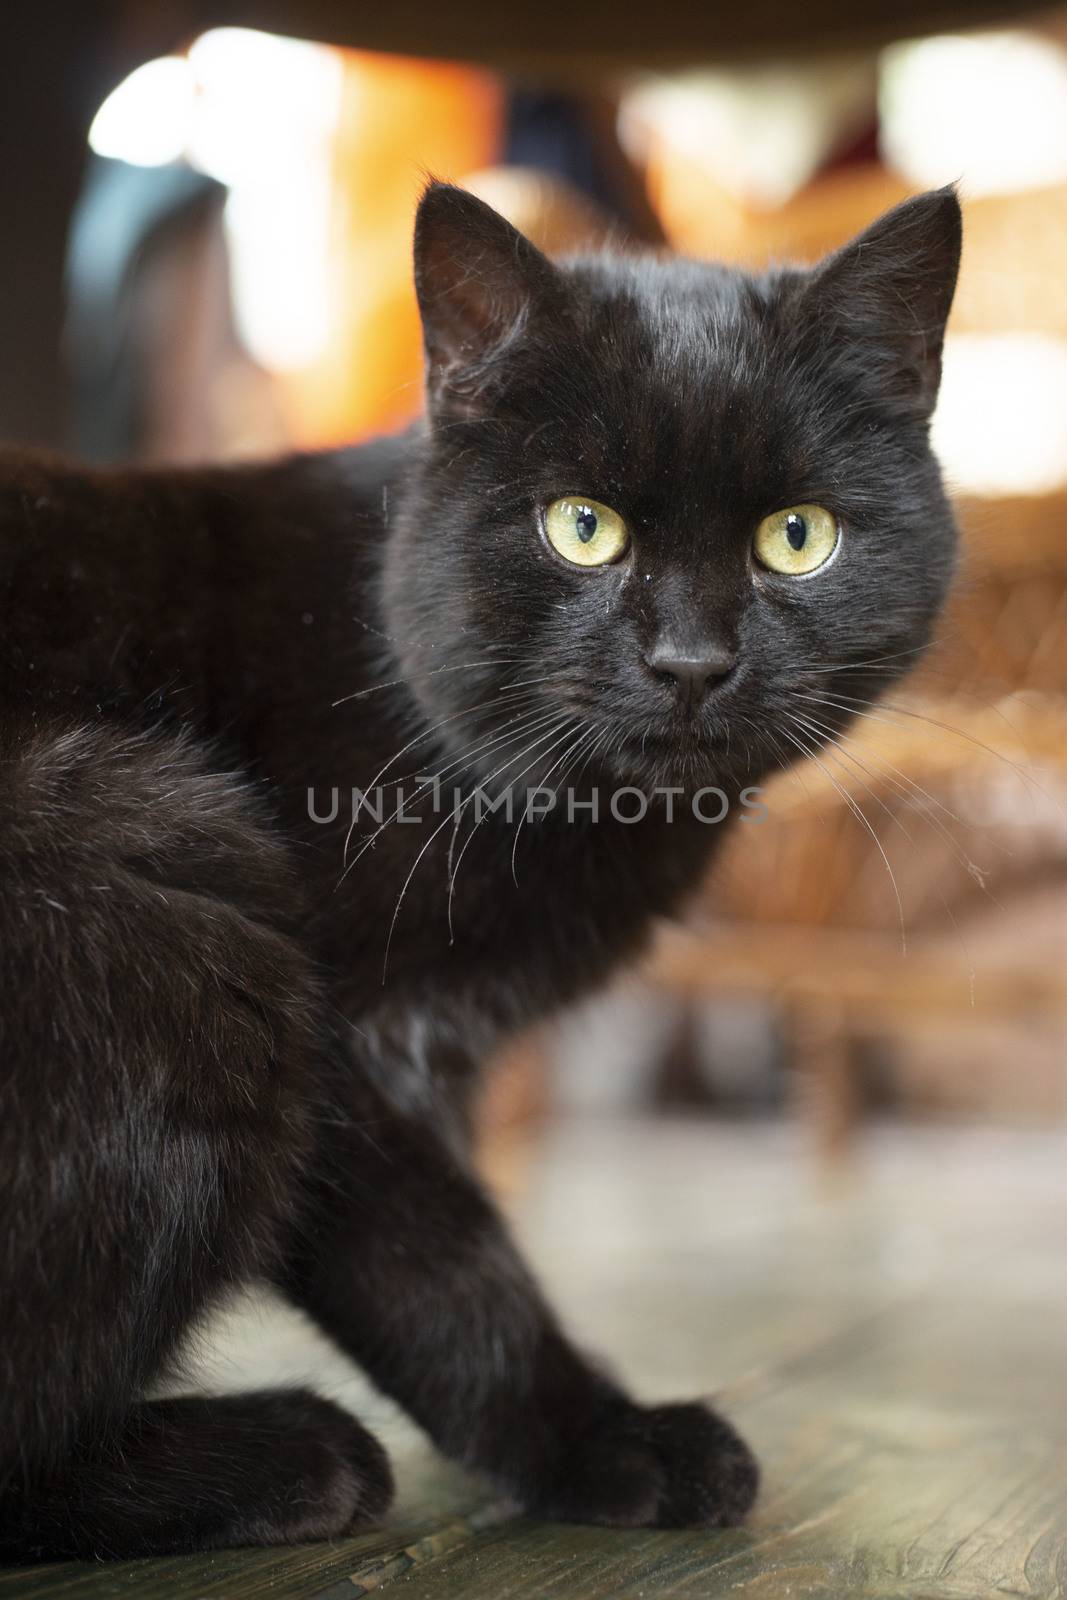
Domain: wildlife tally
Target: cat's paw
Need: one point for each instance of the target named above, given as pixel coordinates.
(677, 1466)
(346, 1485)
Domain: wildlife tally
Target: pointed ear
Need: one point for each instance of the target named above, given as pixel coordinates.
(889, 292)
(479, 283)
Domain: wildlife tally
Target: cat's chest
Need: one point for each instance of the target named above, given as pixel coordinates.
(516, 920)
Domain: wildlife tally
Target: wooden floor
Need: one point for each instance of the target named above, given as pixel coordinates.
(896, 1351)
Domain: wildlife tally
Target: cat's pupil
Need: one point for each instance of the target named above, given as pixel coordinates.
(585, 524)
(796, 530)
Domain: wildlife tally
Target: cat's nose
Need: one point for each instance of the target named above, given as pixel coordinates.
(693, 673)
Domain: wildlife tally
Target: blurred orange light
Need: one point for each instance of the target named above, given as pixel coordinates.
(400, 121)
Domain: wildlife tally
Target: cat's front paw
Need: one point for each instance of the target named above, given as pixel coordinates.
(677, 1466)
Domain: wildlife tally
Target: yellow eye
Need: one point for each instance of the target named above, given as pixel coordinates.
(796, 541)
(586, 532)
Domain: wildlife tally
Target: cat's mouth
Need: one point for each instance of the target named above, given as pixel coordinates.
(689, 751)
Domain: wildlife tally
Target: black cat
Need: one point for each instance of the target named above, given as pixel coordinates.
(654, 505)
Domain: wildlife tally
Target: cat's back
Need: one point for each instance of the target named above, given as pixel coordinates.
(126, 585)
(85, 556)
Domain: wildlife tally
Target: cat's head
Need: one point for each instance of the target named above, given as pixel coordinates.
(673, 518)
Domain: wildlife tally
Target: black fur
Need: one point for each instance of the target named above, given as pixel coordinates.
(223, 1055)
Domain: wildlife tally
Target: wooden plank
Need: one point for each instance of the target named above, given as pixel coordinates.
(869, 1491)
(894, 1352)
(343, 1567)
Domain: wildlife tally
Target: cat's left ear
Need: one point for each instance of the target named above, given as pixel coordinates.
(889, 291)
(480, 285)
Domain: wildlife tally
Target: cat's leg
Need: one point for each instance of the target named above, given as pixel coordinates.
(157, 1034)
(405, 1261)
(274, 1467)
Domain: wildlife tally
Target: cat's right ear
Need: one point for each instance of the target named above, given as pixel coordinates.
(480, 284)
(887, 295)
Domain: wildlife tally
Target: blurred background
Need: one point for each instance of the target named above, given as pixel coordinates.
(207, 214)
